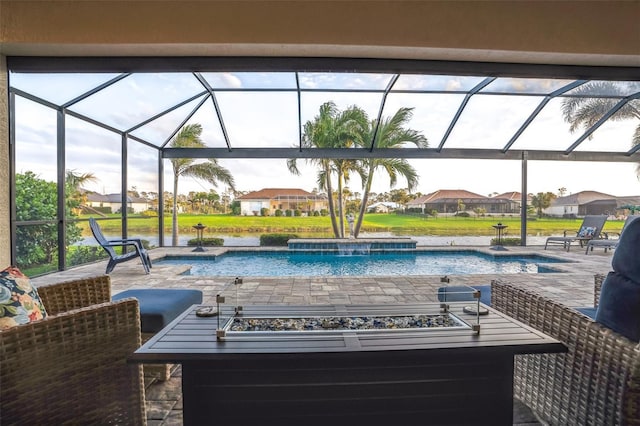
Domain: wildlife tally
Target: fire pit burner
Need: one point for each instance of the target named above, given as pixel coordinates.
(345, 323)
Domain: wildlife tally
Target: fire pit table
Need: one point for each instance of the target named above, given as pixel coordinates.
(346, 364)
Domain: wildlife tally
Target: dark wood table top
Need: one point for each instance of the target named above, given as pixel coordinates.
(190, 337)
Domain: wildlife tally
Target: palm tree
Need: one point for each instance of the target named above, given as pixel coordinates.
(332, 129)
(541, 201)
(584, 111)
(343, 169)
(391, 133)
(76, 196)
(210, 170)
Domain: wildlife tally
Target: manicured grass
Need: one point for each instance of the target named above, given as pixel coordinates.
(372, 223)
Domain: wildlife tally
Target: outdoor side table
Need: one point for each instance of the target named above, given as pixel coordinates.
(499, 234)
(199, 235)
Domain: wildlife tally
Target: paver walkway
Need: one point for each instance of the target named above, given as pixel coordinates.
(573, 286)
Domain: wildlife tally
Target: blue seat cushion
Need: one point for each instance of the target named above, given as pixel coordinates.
(160, 306)
(588, 311)
(464, 293)
(485, 293)
(619, 306)
(625, 257)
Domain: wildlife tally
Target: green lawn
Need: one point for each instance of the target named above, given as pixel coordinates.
(372, 223)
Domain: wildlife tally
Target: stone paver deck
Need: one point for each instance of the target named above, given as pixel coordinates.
(573, 287)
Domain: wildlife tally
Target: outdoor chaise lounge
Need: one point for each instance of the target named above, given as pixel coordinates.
(109, 245)
(591, 228)
(609, 243)
(71, 367)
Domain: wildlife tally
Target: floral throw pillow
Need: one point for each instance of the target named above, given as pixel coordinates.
(587, 232)
(19, 300)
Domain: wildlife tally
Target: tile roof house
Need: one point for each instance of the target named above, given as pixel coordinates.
(281, 199)
(583, 203)
(383, 207)
(449, 201)
(114, 202)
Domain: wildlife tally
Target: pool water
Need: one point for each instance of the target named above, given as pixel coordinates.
(279, 264)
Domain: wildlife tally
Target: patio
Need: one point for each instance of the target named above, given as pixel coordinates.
(573, 287)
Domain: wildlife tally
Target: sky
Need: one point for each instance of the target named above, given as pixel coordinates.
(271, 119)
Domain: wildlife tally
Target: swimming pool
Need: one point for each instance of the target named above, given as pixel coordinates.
(282, 264)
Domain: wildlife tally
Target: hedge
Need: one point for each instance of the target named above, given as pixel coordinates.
(506, 241)
(276, 239)
(208, 242)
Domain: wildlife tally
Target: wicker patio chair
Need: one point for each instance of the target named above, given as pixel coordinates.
(597, 382)
(65, 296)
(71, 367)
(75, 294)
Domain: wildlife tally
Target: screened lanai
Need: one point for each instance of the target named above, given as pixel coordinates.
(114, 119)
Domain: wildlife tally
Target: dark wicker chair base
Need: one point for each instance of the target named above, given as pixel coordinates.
(596, 383)
(71, 368)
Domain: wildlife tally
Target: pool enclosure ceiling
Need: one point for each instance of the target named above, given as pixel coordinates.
(257, 107)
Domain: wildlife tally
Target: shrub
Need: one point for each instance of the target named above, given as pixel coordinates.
(278, 213)
(235, 207)
(463, 214)
(276, 239)
(297, 212)
(149, 213)
(507, 241)
(207, 242)
(264, 211)
(324, 212)
(287, 213)
(105, 210)
(316, 213)
(78, 255)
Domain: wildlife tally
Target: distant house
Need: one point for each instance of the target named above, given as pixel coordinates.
(114, 202)
(628, 205)
(583, 203)
(515, 201)
(281, 199)
(383, 207)
(450, 200)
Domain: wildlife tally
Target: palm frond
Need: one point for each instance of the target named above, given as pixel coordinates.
(211, 172)
(636, 141)
(589, 111)
(292, 166)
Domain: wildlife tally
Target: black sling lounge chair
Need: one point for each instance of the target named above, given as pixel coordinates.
(590, 229)
(609, 243)
(114, 258)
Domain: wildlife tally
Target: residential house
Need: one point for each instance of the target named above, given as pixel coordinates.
(112, 203)
(627, 205)
(514, 199)
(583, 203)
(281, 199)
(383, 207)
(453, 200)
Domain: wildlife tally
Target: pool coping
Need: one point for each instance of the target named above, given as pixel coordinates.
(573, 286)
